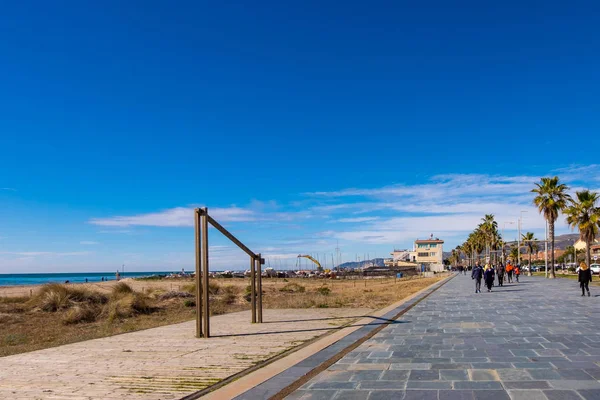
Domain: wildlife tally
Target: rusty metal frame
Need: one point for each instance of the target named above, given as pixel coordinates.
(201, 221)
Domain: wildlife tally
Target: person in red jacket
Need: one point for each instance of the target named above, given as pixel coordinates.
(509, 271)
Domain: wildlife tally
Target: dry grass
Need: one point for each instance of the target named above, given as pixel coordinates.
(61, 314)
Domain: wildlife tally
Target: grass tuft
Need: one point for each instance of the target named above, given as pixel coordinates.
(81, 313)
(120, 289)
(293, 288)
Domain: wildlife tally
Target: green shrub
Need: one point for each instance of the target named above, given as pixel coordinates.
(293, 288)
(324, 290)
(189, 303)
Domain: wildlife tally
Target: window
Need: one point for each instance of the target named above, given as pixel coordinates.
(422, 245)
(423, 254)
(433, 245)
(433, 254)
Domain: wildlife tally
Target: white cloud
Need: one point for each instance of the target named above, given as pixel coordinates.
(175, 217)
(356, 220)
(88, 243)
(9, 189)
(45, 253)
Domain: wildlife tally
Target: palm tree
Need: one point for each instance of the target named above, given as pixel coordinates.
(551, 199)
(466, 249)
(585, 215)
(489, 228)
(529, 240)
(478, 242)
(514, 252)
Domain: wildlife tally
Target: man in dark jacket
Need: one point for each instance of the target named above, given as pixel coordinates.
(585, 277)
(477, 275)
(500, 271)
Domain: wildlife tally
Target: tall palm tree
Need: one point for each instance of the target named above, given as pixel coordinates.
(552, 198)
(479, 241)
(514, 253)
(466, 249)
(489, 228)
(529, 240)
(584, 214)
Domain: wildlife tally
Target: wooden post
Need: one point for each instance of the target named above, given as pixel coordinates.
(198, 273)
(259, 288)
(205, 305)
(253, 288)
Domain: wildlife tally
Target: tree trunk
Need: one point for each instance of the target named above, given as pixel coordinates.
(587, 253)
(530, 272)
(551, 231)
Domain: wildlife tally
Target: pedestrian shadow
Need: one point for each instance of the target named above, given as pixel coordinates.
(331, 328)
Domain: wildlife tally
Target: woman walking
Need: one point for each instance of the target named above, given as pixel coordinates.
(488, 276)
(517, 272)
(500, 272)
(585, 277)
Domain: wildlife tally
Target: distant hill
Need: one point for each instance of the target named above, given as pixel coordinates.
(359, 264)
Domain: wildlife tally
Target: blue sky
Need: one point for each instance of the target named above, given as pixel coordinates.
(298, 125)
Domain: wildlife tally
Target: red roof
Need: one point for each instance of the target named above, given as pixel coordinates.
(429, 241)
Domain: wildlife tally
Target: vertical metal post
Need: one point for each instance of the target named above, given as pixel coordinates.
(253, 288)
(205, 305)
(198, 273)
(259, 278)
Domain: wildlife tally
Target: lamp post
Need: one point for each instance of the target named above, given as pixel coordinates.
(546, 249)
(519, 239)
(503, 241)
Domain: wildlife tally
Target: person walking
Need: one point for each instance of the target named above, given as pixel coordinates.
(477, 275)
(509, 272)
(489, 277)
(584, 278)
(517, 272)
(500, 273)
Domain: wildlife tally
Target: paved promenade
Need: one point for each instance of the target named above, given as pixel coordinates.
(533, 340)
(162, 363)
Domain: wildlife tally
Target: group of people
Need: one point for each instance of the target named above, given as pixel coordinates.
(489, 273)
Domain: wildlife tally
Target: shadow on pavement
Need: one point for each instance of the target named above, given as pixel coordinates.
(388, 322)
(327, 319)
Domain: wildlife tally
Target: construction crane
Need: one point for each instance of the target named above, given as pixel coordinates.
(319, 268)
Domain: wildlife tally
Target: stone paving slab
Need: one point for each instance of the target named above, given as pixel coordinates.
(533, 340)
(373, 365)
(162, 363)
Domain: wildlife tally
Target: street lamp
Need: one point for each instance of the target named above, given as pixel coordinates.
(503, 241)
(519, 238)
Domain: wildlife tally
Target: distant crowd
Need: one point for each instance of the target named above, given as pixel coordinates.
(495, 275)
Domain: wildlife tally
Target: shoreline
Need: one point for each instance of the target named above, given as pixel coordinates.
(106, 286)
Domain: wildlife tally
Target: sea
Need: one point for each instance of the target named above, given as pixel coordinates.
(37, 279)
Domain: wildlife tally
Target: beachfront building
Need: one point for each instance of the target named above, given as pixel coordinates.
(429, 252)
(400, 258)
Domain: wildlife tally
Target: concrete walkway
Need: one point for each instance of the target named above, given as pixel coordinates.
(163, 363)
(534, 340)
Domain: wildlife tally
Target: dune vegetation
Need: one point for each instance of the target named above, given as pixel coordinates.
(57, 314)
